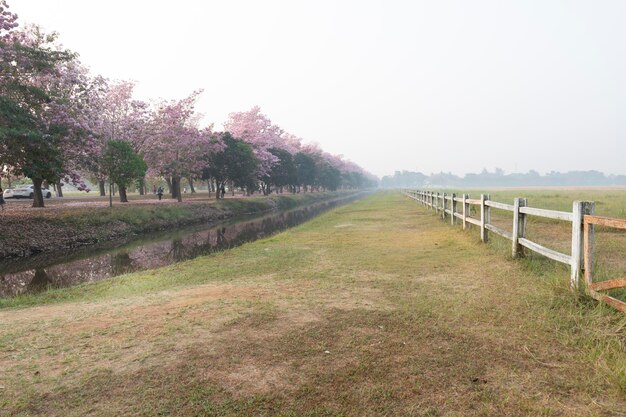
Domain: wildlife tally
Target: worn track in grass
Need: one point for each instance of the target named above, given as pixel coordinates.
(376, 308)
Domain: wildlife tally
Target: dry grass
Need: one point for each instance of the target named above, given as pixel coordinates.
(376, 308)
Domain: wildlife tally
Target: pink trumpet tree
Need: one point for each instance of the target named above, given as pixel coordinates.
(117, 116)
(256, 129)
(177, 148)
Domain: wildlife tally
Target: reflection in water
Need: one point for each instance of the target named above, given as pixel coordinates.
(121, 263)
(35, 275)
(40, 281)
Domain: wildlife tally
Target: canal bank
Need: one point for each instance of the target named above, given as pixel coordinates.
(33, 231)
(73, 266)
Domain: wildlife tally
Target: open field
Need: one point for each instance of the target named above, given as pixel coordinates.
(375, 308)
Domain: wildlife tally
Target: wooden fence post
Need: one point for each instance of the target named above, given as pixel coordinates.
(437, 203)
(443, 212)
(580, 208)
(589, 236)
(519, 226)
(465, 211)
(453, 210)
(484, 218)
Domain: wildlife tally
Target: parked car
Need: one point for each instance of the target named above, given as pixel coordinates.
(24, 191)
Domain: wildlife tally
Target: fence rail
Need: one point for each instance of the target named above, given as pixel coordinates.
(594, 287)
(581, 218)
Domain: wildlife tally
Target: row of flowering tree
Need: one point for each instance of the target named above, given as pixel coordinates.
(59, 124)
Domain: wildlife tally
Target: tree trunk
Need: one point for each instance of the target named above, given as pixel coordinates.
(232, 188)
(173, 186)
(123, 197)
(176, 189)
(101, 185)
(59, 187)
(37, 194)
(168, 181)
(142, 186)
(191, 187)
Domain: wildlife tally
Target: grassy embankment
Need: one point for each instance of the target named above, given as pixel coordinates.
(375, 308)
(28, 231)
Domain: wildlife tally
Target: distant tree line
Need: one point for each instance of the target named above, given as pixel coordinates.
(406, 179)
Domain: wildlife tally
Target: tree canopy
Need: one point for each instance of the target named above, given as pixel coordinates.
(123, 165)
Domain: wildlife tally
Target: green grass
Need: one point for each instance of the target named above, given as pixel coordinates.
(375, 308)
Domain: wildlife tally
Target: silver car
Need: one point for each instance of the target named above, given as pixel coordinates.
(24, 191)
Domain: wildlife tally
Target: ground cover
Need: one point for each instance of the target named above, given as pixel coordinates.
(375, 308)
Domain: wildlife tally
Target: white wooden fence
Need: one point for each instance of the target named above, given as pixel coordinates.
(457, 208)
(581, 219)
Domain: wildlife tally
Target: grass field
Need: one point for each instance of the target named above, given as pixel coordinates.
(375, 308)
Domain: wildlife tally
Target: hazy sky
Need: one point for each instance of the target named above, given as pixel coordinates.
(419, 85)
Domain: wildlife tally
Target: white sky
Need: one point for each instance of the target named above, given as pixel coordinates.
(432, 85)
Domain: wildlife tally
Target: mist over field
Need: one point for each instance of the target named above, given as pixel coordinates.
(498, 178)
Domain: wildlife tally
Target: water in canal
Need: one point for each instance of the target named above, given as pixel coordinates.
(39, 272)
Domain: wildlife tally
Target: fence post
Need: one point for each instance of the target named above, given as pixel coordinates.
(519, 227)
(484, 218)
(465, 210)
(443, 215)
(580, 208)
(453, 210)
(437, 203)
(589, 236)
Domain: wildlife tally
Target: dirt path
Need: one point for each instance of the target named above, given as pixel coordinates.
(376, 308)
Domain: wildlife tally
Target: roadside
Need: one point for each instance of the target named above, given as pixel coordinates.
(375, 308)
